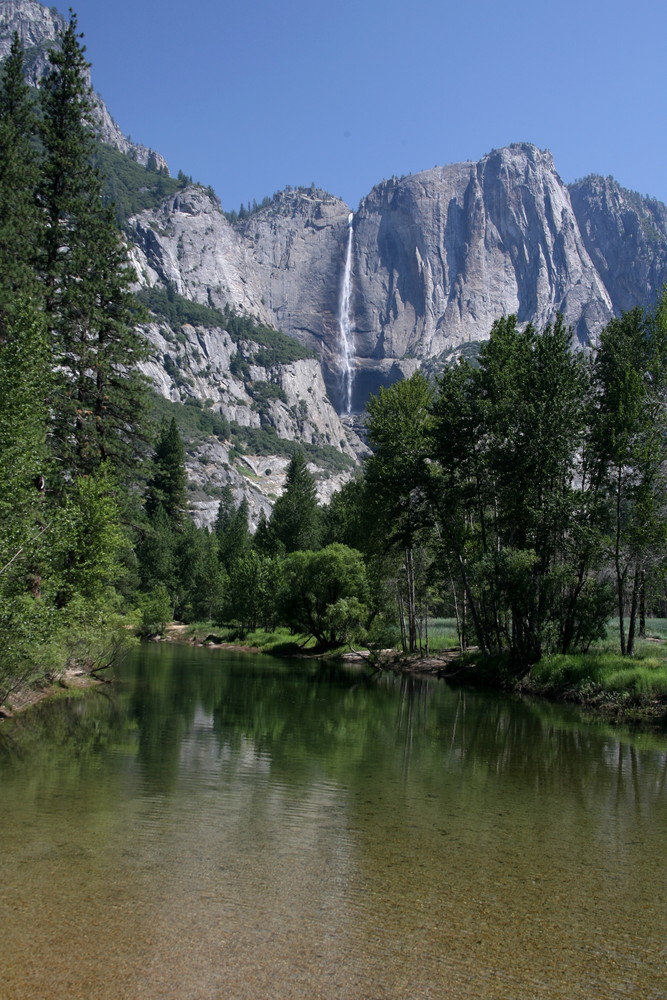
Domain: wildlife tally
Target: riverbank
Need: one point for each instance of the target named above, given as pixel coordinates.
(605, 685)
(73, 679)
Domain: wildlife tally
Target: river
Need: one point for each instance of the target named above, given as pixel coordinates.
(220, 826)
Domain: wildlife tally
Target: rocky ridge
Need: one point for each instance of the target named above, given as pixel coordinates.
(38, 27)
(436, 258)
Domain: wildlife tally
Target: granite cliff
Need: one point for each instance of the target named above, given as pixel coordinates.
(436, 258)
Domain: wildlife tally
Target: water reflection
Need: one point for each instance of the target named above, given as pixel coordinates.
(251, 827)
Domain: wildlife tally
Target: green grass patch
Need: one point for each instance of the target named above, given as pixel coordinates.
(442, 634)
(639, 678)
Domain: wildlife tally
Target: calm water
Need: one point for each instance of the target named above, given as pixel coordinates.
(222, 827)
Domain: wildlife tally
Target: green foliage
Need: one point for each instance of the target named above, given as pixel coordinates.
(253, 583)
(194, 423)
(27, 631)
(265, 441)
(346, 621)
(24, 382)
(127, 186)
(313, 584)
(397, 490)
(85, 543)
(156, 609)
(514, 503)
(274, 347)
(91, 313)
(201, 580)
(21, 227)
(295, 520)
(263, 393)
(629, 452)
(156, 553)
(596, 675)
(168, 482)
(231, 529)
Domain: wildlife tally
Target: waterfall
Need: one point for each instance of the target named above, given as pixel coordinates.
(345, 321)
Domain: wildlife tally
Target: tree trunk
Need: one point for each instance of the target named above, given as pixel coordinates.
(412, 610)
(630, 647)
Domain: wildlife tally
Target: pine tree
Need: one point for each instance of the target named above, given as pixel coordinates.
(24, 355)
(20, 221)
(167, 487)
(231, 529)
(92, 314)
(295, 520)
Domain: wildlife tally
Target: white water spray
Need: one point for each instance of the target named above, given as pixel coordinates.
(345, 321)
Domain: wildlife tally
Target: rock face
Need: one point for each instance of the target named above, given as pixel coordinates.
(442, 254)
(199, 366)
(626, 238)
(436, 258)
(282, 265)
(38, 28)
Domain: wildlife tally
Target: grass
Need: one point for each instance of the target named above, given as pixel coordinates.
(603, 674)
(442, 634)
(639, 677)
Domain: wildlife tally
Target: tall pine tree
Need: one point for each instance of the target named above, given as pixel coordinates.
(24, 356)
(295, 520)
(91, 312)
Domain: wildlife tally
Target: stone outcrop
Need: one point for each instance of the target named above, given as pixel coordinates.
(441, 254)
(625, 235)
(194, 365)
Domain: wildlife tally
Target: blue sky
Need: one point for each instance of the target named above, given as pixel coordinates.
(252, 96)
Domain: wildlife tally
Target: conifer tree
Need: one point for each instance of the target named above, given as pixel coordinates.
(24, 355)
(91, 312)
(20, 224)
(231, 529)
(295, 520)
(167, 487)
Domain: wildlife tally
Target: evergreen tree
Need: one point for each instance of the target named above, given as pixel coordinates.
(26, 622)
(264, 541)
(23, 378)
(167, 486)
(156, 553)
(231, 529)
(295, 519)
(21, 231)
(91, 311)
(201, 579)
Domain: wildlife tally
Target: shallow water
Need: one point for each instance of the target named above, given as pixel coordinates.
(221, 826)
